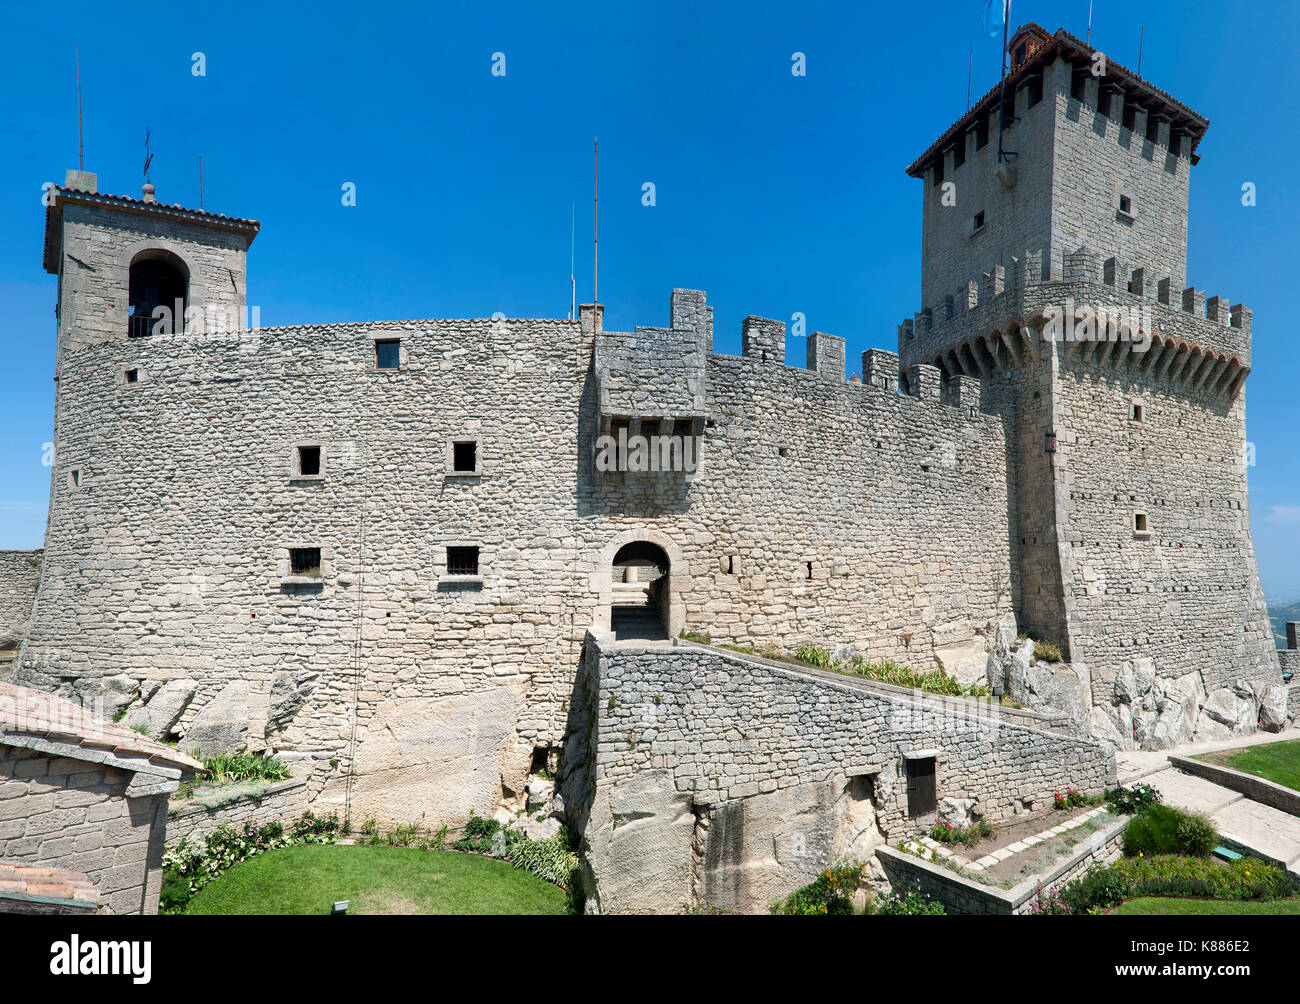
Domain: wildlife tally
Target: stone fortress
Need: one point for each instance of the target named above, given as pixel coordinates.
(383, 551)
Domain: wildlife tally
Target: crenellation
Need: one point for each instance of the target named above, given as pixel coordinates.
(880, 369)
(826, 355)
(763, 339)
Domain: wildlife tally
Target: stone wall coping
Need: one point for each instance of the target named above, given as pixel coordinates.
(1007, 900)
(1003, 716)
(1257, 789)
(185, 809)
(156, 775)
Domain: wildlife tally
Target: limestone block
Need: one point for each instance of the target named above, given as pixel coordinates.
(1227, 707)
(967, 663)
(221, 726)
(1126, 685)
(1272, 709)
(1144, 676)
(161, 713)
(433, 758)
(289, 691)
(638, 846)
(956, 811)
(1103, 727)
(107, 695)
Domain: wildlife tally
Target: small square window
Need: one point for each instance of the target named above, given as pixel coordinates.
(1135, 413)
(309, 461)
(1126, 205)
(132, 376)
(464, 456)
(1140, 525)
(304, 561)
(462, 561)
(978, 224)
(388, 354)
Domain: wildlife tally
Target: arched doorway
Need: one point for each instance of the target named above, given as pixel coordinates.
(157, 278)
(639, 592)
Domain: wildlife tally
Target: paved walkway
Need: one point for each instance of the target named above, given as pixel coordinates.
(1265, 830)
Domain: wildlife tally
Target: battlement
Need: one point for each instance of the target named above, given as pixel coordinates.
(1001, 318)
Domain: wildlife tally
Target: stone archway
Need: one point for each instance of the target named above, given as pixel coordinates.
(641, 567)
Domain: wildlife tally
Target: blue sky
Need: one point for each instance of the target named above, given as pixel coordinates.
(775, 193)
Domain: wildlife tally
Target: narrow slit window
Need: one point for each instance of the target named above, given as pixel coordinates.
(978, 223)
(462, 561)
(808, 569)
(1140, 524)
(388, 354)
(1136, 413)
(959, 153)
(305, 561)
(938, 171)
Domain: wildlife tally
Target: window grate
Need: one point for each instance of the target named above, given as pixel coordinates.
(462, 561)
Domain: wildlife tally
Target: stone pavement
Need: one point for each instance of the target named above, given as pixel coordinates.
(1265, 830)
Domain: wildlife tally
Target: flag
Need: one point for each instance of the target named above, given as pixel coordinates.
(996, 13)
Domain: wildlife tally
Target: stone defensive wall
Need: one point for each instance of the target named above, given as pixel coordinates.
(823, 511)
(710, 779)
(20, 575)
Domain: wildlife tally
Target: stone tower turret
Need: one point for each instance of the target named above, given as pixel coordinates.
(1054, 253)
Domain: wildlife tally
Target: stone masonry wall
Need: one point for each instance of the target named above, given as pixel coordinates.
(282, 802)
(75, 815)
(884, 525)
(20, 574)
(684, 732)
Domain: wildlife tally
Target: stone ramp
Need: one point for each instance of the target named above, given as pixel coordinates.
(1268, 832)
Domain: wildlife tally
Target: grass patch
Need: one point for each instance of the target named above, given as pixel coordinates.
(1161, 906)
(1276, 762)
(376, 880)
(1045, 651)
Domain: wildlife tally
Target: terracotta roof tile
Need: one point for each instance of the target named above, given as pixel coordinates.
(55, 883)
(28, 712)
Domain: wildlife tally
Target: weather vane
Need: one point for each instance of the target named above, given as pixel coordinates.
(148, 157)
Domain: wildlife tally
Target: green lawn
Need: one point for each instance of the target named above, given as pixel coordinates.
(307, 880)
(1278, 762)
(1165, 907)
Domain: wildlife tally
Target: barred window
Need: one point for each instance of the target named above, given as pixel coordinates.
(462, 561)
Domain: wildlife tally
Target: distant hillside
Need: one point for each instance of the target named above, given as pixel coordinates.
(1278, 616)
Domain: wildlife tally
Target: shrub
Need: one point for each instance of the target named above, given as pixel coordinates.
(813, 655)
(1073, 798)
(1098, 888)
(827, 895)
(231, 768)
(1127, 801)
(967, 835)
(1045, 651)
(936, 681)
(908, 903)
(1247, 878)
(1162, 829)
(551, 860)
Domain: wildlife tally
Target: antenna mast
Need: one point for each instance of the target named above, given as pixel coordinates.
(81, 145)
(1141, 35)
(970, 66)
(595, 220)
(1088, 40)
(573, 283)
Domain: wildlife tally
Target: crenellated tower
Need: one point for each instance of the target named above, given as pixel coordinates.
(1054, 254)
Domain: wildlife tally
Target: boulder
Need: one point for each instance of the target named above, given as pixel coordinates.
(1144, 723)
(536, 829)
(221, 726)
(1272, 709)
(107, 695)
(1177, 707)
(1126, 691)
(956, 811)
(1102, 726)
(966, 663)
(1047, 686)
(843, 653)
(1003, 643)
(162, 712)
(1230, 709)
(539, 792)
(1209, 731)
(289, 691)
(1144, 676)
